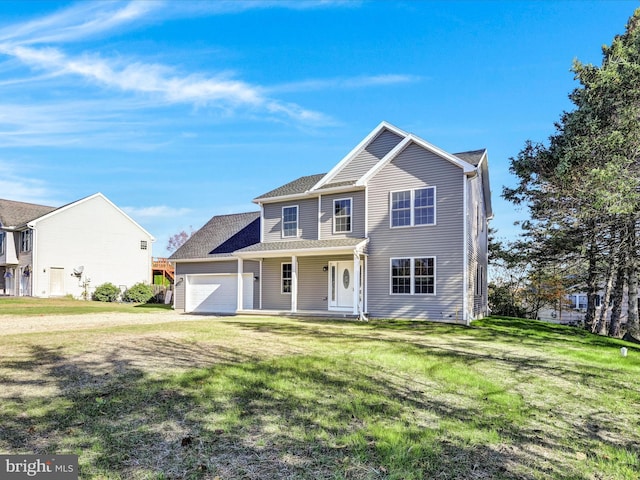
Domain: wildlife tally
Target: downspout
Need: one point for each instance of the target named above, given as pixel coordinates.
(33, 259)
(465, 255)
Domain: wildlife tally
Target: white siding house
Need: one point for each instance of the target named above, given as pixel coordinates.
(72, 249)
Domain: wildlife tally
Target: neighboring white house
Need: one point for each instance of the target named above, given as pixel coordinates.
(49, 252)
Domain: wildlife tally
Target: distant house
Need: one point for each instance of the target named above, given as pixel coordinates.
(397, 229)
(48, 251)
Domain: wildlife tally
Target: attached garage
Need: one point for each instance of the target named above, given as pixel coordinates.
(217, 293)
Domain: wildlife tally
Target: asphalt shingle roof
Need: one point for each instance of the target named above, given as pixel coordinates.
(18, 214)
(221, 236)
(293, 245)
(473, 156)
(299, 185)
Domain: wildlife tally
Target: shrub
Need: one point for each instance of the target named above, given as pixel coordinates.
(107, 292)
(138, 293)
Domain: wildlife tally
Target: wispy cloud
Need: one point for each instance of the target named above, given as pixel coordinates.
(363, 81)
(24, 189)
(159, 211)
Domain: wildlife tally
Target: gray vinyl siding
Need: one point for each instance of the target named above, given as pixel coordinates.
(273, 298)
(313, 283)
(230, 266)
(307, 220)
(369, 157)
(416, 167)
(477, 243)
(357, 215)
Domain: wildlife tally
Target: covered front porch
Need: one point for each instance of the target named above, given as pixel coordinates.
(310, 278)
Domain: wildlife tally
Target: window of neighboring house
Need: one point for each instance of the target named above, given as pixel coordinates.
(25, 241)
(342, 215)
(287, 276)
(411, 276)
(2, 236)
(578, 302)
(143, 244)
(413, 207)
(290, 221)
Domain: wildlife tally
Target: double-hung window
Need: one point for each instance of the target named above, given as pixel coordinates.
(2, 241)
(413, 207)
(413, 276)
(290, 221)
(342, 215)
(25, 241)
(287, 276)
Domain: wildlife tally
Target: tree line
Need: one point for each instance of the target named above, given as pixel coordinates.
(582, 190)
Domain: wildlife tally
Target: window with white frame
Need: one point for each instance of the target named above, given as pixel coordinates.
(2, 241)
(413, 276)
(413, 207)
(287, 276)
(290, 221)
(25, 241)
(342, 215)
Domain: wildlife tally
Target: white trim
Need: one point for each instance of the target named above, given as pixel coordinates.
(412, 283)
(282, 264)
(365, 290)
(394, 152)
(412, 207)
(294, 283)
(86, 199)
(333, 216)
(240, 290)
(465, 253)
(356, 150)
(297, 222)
(260, 285)
(356, 284)
(302, 252)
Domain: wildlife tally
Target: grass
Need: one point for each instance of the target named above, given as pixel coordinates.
(29, 306)
(253, 398)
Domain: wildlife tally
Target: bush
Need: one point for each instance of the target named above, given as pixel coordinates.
(138, 293)
(107, 292)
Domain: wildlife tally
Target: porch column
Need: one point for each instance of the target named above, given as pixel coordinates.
(356, 283)
(240, 284)
(294, 284)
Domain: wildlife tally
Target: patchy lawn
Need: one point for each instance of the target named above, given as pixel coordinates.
(254, 398)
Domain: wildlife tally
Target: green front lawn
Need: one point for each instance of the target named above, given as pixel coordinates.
(29, 306)
(258, 398)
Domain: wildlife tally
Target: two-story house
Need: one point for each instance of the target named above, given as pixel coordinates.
(397, 229)
(48, 251)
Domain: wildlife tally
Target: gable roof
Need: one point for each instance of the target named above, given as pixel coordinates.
(221, 236)
(63, 208)
(367, 159)
(298, 186)
(473, 156)
(17, 214)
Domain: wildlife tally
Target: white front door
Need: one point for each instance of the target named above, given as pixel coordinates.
(341, 285)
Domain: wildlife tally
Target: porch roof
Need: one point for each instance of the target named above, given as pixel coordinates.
(304, 248)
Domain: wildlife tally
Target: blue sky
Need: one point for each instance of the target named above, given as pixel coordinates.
(178, 111)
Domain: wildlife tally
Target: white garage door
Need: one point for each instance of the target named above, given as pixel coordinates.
(216, 293)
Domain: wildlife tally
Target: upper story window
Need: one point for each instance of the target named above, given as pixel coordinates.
(25, 241)
(2, 242)
(143, 244)
(290, 221)
(342, 215)
(413, 276)
(413, 207)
